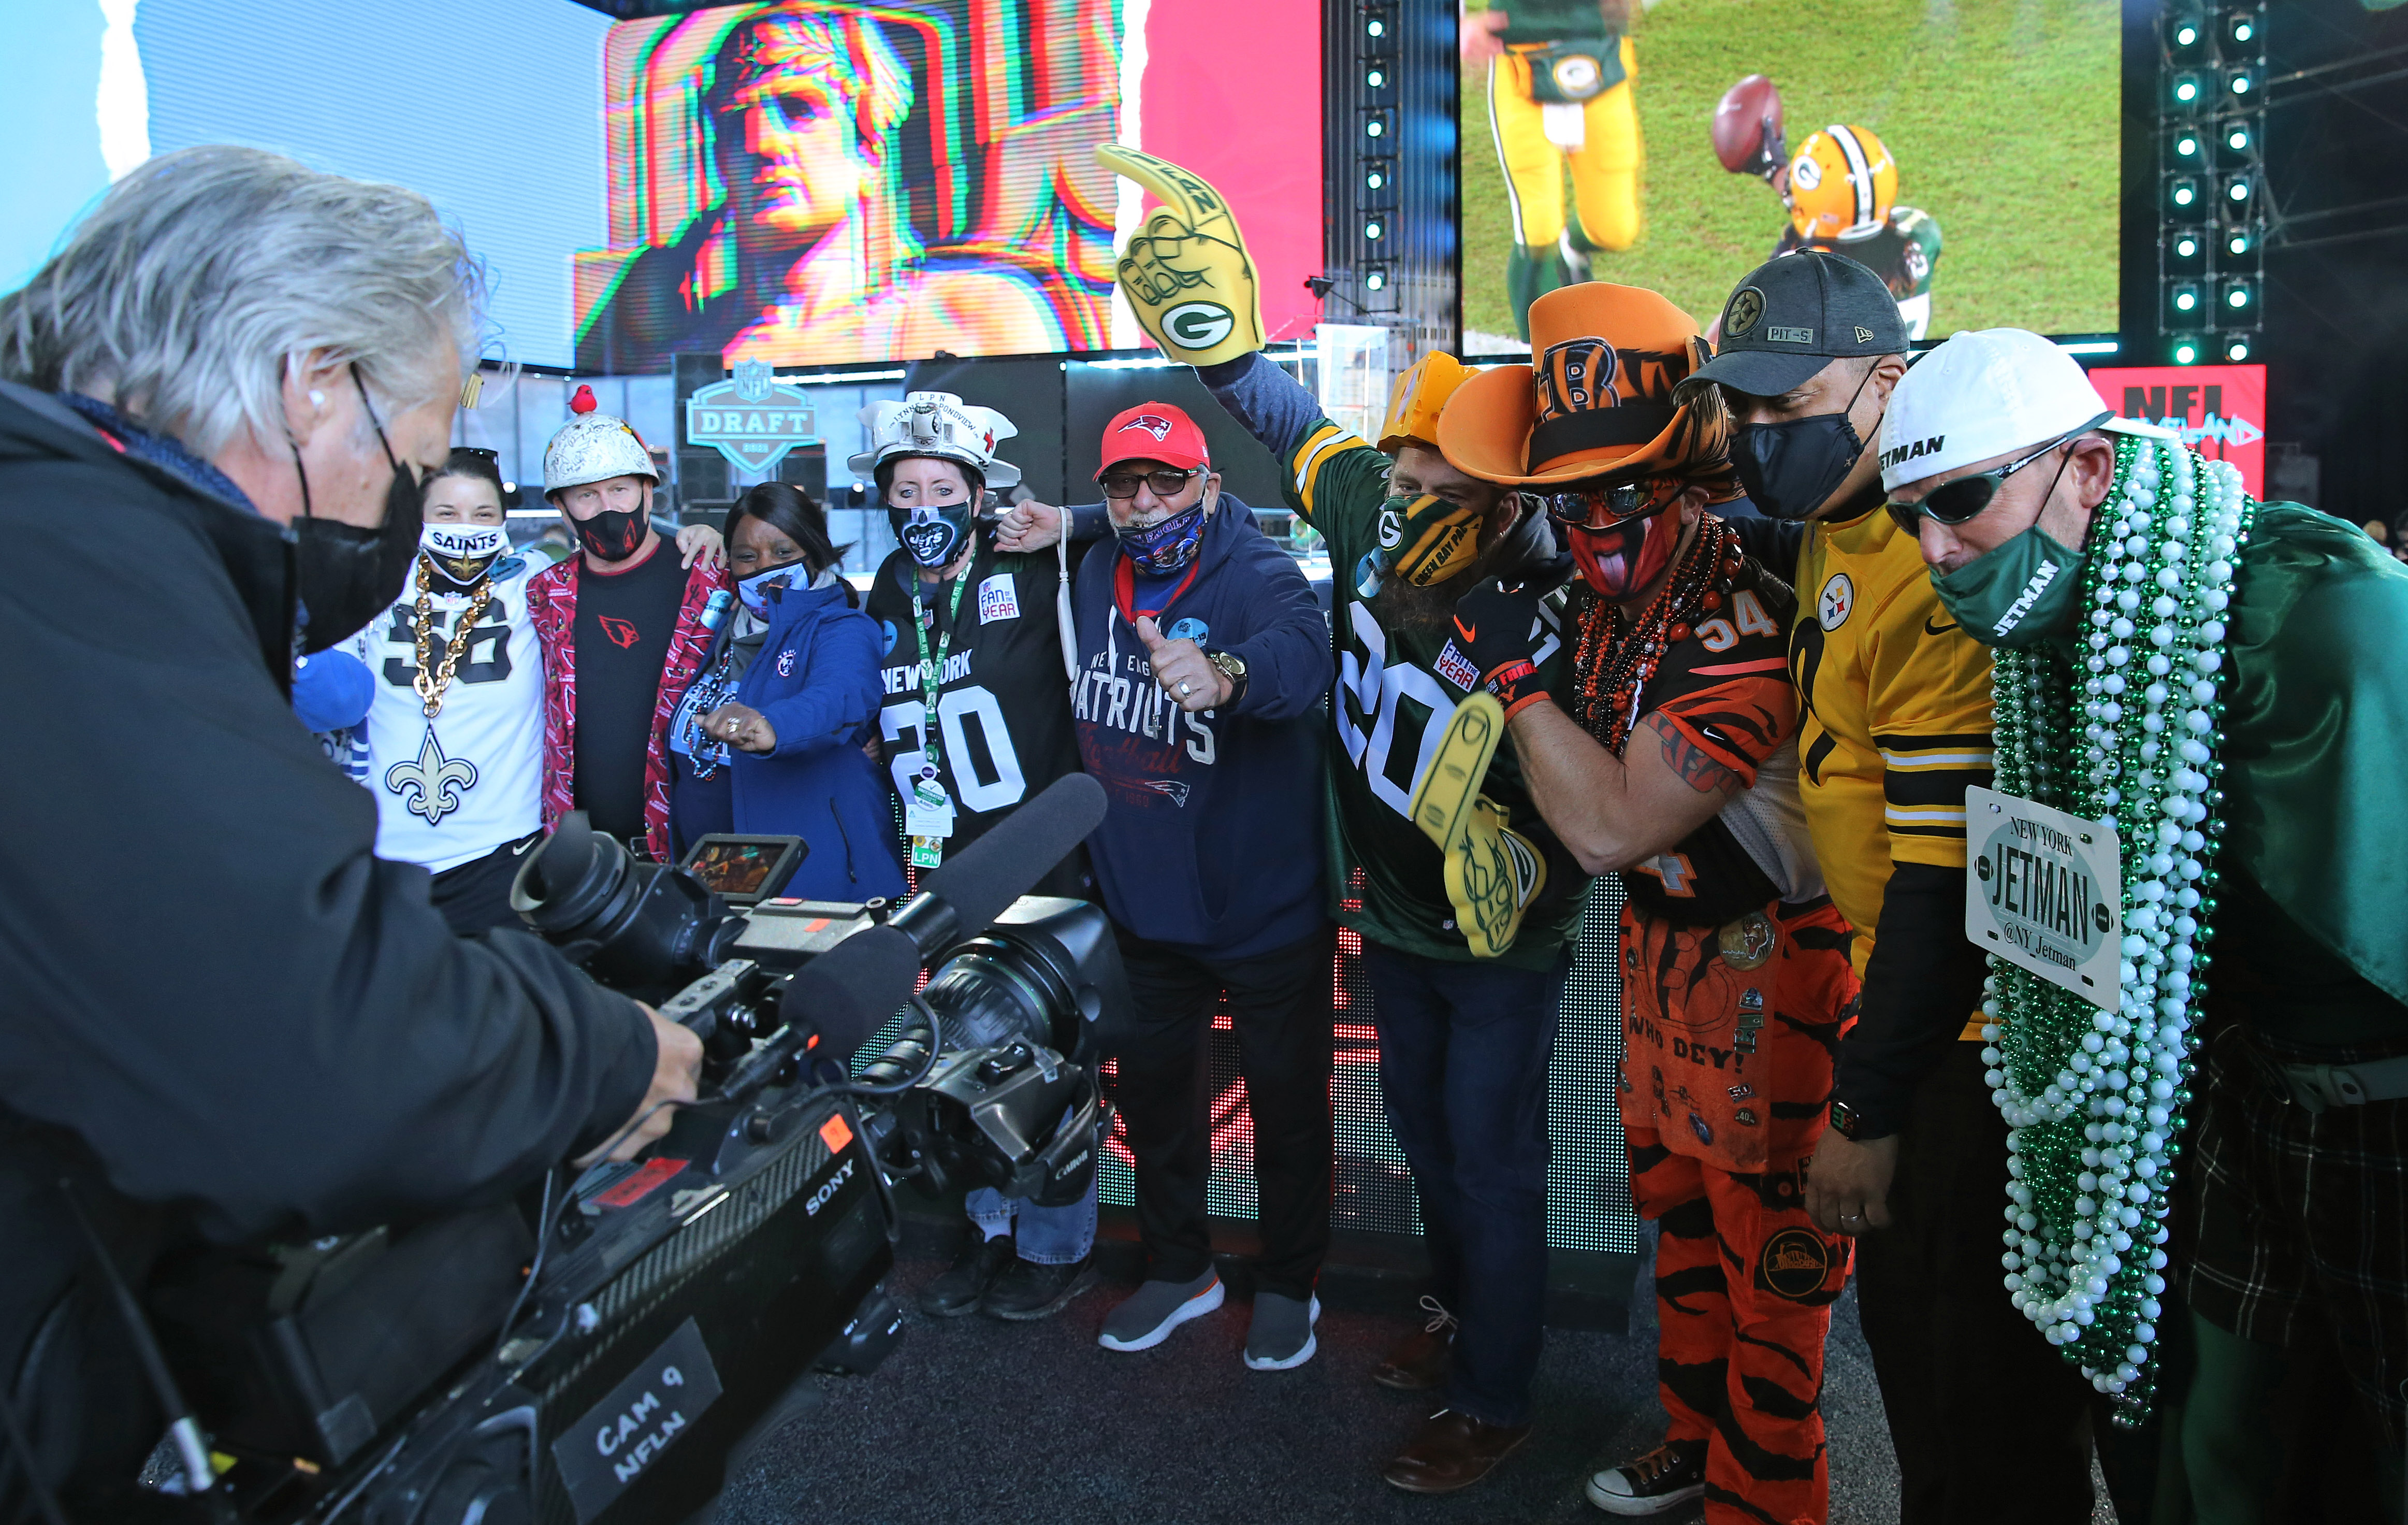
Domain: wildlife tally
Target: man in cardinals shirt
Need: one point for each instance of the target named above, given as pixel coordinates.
(1202, 663)
(622, 625)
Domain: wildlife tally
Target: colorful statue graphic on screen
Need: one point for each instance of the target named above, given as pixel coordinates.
(808, 184)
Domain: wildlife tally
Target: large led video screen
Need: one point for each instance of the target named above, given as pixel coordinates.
(800, 182)
(1969, 151)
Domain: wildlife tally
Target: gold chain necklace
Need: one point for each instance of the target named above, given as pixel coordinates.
(431, 690)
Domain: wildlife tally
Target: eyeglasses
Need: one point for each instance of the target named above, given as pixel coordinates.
(1958, 502)
(1579, 506)
(1122, 485)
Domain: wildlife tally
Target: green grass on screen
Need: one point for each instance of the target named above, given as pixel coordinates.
(2003, 116)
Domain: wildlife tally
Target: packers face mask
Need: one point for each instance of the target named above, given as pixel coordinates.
(1425, 539)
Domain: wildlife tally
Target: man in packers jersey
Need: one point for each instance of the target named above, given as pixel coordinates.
(975, 718)
(1675, 763)
(1840, 191)
(1561, 94)
(1987, 1423)
(1467, 952)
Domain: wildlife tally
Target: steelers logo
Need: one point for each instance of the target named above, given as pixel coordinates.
(1839, 600)
(1746, 307)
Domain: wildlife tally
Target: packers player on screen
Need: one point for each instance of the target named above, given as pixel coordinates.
(1841, 191)
(1561, 75)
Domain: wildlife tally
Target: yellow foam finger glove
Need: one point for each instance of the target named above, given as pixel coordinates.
(1186, 271)
(1492, 871)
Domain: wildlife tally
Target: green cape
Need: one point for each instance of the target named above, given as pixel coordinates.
(2316, 735)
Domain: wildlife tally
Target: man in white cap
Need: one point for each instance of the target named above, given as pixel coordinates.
(622, 627)
(2217, 681)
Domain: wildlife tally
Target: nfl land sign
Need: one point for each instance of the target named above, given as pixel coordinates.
(750, 418)
(2219, 410)
(2044, 889)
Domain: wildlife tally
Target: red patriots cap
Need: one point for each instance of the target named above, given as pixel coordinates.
(1154, 431)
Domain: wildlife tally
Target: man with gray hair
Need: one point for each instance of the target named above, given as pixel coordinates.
(216, 401)
(2200, 715)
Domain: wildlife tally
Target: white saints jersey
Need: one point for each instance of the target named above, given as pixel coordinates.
(451, 789)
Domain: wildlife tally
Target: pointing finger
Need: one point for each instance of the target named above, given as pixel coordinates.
(1202, 207)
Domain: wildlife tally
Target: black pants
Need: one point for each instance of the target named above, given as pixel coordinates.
(1280, 1008)
(475, 896)
(1990, 1423)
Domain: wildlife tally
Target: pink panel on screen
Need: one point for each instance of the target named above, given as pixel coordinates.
(2221, 410)
(1234, 94)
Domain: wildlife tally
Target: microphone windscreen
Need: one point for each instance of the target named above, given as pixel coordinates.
(849, 992)
(1007, 862)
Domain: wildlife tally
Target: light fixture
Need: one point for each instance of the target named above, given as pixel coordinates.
(2184, 191)
(2237, 348)
(1373, 230)
(2240, 81)
(2185, 351)
(1377, 175)
(2186, 146)
(1375, 124)
(2186, 33)
(2238, 191)
(2186, 299)
(2243, 28)
(2236, 138)
(1375, 278)
(1375, 24)
(2238, 296)
(1376, 77)
(2186, 246)
(2238, 243)
(2188, 89)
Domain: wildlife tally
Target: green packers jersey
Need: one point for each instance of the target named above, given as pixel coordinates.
(1390, 710)
(1902, 251)
(1553, 21)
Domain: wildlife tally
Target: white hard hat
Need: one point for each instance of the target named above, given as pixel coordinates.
(937, 425)
(1986, 392)
(594, 447)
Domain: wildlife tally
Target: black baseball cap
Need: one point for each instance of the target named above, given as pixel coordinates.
(1796, 313)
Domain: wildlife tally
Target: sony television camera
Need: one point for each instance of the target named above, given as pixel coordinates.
(603, 1365)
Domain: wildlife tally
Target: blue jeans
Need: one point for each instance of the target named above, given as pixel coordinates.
(1463, 1049)
(1046, 1236)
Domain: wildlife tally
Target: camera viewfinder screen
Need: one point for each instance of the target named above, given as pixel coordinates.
(737, 869)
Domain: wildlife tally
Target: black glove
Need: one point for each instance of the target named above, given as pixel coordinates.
(1496, 633)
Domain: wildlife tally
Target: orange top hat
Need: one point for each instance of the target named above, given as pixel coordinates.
(1596, 399)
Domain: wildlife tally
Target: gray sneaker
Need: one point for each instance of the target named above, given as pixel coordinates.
(1156, 1308)
(1280, 1335)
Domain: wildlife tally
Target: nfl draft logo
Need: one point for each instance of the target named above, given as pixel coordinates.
(749, 419)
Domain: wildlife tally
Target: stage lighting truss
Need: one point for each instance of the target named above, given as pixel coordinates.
(2213, 196)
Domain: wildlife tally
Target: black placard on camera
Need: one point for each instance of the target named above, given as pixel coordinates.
(613, 1444)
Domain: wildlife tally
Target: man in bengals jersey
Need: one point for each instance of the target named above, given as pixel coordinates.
(1674, 764)
(1988, 1422)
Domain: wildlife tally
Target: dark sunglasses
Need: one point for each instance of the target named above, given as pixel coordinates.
(1122, 484)
(1581, 506)
(1961, 501)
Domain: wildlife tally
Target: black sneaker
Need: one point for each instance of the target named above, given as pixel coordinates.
(1665, 1478)
(962, 1288)
(1027, 1291)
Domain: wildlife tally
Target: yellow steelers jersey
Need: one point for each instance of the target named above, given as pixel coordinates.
(1897, 721)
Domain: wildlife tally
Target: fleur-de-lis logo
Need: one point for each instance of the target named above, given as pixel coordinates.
(432, 785)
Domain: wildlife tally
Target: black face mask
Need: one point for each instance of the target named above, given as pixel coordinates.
(348, 574)
(612, 535)
(1789, 469)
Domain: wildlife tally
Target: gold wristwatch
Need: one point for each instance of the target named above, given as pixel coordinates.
(1231, 668)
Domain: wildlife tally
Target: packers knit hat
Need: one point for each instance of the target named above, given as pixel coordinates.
(1796, 314)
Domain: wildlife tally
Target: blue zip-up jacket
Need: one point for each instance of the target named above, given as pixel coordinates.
(815, 680)
(1213, 841)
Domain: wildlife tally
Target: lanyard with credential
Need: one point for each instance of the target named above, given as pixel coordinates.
(927, 852)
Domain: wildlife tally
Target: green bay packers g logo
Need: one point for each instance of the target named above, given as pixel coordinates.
(1198, 326)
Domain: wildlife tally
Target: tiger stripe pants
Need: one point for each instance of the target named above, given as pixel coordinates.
(1744, 1281)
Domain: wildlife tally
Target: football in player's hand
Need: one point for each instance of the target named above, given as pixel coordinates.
(1747, 126)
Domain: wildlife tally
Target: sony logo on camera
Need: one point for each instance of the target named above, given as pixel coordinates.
(820, 1199)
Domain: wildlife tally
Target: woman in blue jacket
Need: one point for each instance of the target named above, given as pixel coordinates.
(771, 736)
